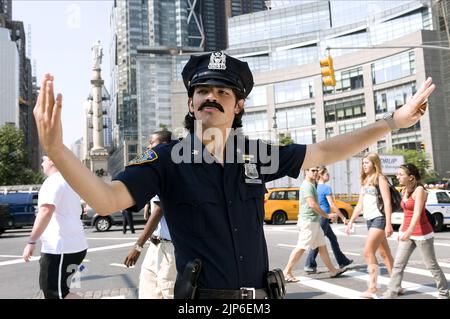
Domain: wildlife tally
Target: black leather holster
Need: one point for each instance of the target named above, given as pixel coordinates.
(186, 285)
(275, 284)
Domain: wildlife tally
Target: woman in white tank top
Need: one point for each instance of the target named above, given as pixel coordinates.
(378, 223)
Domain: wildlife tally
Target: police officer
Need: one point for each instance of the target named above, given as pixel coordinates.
(211, 184)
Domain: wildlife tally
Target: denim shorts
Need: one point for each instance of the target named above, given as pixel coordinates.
(377, 222)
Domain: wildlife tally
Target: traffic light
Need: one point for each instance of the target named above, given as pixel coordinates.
(327, 71)
(422, 146)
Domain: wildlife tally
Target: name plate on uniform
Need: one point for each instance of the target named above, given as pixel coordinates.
(253, 181)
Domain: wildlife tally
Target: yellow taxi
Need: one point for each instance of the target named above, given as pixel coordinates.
(282, 204)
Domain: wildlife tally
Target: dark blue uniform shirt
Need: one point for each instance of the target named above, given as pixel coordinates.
(214, 212)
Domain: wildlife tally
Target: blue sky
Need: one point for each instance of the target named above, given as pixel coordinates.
(62, 35)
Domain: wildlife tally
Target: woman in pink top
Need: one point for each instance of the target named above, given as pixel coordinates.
(415, 231)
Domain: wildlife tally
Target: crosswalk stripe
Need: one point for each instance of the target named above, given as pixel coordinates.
(422, 272)
(350, 254)
(329, 288)
(121, 265)
(445, 265)
(382, 280)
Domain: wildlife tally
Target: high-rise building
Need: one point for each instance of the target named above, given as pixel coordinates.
(6, 9)
(9, 80)
(283, 47)
(240, 7)
(146, 36)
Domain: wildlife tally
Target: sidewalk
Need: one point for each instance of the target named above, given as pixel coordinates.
(116, 293)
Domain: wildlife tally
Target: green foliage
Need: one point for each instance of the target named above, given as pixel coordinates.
(14, 166)
(285, 139)
(418, 158)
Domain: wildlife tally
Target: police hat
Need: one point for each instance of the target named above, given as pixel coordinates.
(217, 69)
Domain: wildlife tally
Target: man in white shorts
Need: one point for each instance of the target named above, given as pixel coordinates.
(311, 235)
(158, 270)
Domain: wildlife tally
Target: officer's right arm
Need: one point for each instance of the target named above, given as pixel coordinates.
(104, 197)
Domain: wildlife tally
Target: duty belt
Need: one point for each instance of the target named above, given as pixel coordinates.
(156, 240)
(243, 293)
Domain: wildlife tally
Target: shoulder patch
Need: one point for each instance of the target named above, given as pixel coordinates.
(147, 157)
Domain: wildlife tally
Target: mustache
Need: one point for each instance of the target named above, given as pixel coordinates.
(211, 104)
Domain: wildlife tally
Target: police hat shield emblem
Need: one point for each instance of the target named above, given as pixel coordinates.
(251, 170)
(217, 61)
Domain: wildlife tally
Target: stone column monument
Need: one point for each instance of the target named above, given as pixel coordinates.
(98, 154)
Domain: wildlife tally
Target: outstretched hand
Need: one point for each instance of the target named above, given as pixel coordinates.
(47, 114)
(412, 111)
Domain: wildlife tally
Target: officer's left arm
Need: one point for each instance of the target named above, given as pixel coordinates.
(343, 146)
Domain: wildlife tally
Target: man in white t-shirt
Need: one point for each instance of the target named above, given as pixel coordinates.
(158, 270)
(61, 232)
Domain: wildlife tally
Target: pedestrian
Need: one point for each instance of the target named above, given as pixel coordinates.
(61, 232)
(327, 204)
(127, 220)
(378, 222)
(415, 232)
(211, 184)
(311, 235)
(158, 270)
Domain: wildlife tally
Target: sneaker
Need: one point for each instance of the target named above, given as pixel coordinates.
(310, 270)
(350, 261)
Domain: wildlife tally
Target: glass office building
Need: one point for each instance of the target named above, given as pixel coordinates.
(283, 47)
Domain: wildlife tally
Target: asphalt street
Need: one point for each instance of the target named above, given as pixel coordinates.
(105, 276)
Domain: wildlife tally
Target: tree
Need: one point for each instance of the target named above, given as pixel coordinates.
(14, 166)
(418, 158)
(285, 139)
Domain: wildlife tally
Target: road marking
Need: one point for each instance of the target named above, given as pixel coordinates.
(422, 272)
(351, 254)
(409, 286)
(339, 231)
(114, 297)
(286, 245)
(112, 238)
(445, 265)
(120, 265)
(90, 250)
(10, 256)
(18, 261)
(441, 244)
(329, 288)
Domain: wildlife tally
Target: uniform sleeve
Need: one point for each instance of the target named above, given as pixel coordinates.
(284, 161)
(142, 181)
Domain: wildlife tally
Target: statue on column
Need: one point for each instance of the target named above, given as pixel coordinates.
(97, 54)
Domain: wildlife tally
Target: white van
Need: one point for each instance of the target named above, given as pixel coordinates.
(438, 204)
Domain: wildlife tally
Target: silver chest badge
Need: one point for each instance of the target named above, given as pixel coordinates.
(251, 171)
(217, 61)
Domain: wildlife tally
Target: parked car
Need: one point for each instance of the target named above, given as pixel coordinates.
(282, 204)
(104, 223)
(6, 219)
(438, 204)
(22, 206)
